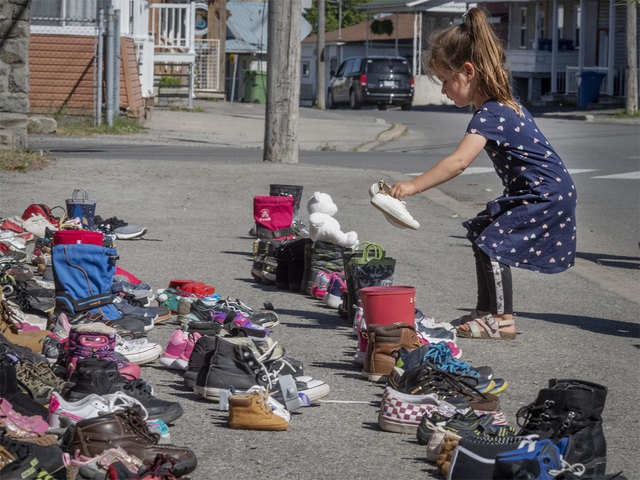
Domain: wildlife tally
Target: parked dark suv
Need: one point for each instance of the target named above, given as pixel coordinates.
(372, 80)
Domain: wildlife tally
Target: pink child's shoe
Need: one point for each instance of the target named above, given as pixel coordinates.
(20, 423)
(320, 284)
(176, 355)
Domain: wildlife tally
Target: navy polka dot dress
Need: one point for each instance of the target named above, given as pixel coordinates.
(533, 224)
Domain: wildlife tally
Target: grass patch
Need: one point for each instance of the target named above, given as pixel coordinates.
(179, 108)
(84, 127)
(327, 148)
(625, 115)
(23, 160)
(169, 81)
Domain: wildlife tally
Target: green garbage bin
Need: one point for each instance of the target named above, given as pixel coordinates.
(255, 86)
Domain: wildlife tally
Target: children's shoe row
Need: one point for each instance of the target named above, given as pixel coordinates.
(222, 358)
(96, 411)
(561, 436)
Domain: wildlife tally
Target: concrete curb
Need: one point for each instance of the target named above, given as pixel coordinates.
(592, 117)
(396, 131)
(585, 117)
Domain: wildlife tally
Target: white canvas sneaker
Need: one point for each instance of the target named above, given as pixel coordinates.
(394, 210)
(138, 350)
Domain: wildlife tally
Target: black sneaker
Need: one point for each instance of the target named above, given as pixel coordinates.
(30, 461)
(265, 318)
(474, 457)
(18, 351)
(202, 351)
(131, 323)
(230, 365)
(121, 229)
(93, 375)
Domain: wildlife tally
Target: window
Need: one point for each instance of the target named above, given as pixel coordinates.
(340, 71)
(333, 64)
(356, 65)
(388, 66)
(348, 69)
(523, 27)
(306, 70)
(541, 23)
(560, 21)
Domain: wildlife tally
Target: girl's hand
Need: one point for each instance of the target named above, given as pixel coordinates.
(402, 189)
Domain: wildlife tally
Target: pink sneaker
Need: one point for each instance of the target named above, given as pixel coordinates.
(174, 355)
(191, 343)
(20, 423)
(455, 351)
(62, 327)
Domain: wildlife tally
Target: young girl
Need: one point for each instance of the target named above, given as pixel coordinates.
(532, 225)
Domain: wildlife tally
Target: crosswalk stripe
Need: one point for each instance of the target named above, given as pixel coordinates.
(621, 176)
(573, 171)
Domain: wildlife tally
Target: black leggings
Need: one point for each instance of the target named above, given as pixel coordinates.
(495, 293)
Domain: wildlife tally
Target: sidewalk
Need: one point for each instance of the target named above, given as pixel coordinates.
(242, 125)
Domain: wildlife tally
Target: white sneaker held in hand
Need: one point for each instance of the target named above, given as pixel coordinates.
(394, 210)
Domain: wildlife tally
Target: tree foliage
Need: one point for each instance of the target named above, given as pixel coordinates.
(350, 16)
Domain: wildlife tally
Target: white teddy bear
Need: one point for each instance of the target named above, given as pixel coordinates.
(323, 226)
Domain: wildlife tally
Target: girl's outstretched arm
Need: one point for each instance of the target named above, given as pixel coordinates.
(447, 168)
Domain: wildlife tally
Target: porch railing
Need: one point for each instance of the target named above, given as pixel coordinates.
(172, 27)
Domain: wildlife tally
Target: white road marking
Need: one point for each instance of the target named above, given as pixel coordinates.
(357, 402)
(468, 171)
(581, 170)
(622, 176)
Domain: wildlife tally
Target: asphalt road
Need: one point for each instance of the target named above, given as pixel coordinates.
(196, 200)
(604, 160)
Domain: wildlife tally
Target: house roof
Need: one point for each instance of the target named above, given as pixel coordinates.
(402, 27)
(406, 6)
(247, 27)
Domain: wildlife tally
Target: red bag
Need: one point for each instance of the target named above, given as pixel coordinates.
(273, 213)
(191, 287)
(66, 237)
(43, 210)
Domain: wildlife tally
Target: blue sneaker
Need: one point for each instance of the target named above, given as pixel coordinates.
(439, 355)
(159, 427)
(538, 460)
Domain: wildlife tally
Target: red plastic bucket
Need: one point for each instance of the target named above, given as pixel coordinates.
(385, 305)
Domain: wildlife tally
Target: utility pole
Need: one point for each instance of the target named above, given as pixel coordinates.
(283, 82)
(320, 102)
(632, 58)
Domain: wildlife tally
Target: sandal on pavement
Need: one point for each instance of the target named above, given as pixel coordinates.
(486, 327)
(474, 314)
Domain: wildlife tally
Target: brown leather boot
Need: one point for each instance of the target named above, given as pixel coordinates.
(10, 329)
(383, 341)
(128, 430)
(250, 411)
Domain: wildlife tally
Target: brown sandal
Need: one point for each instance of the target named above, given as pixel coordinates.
(486, 327)
(466, 318)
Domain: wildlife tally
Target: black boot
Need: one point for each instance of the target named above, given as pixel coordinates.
(573, 409)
